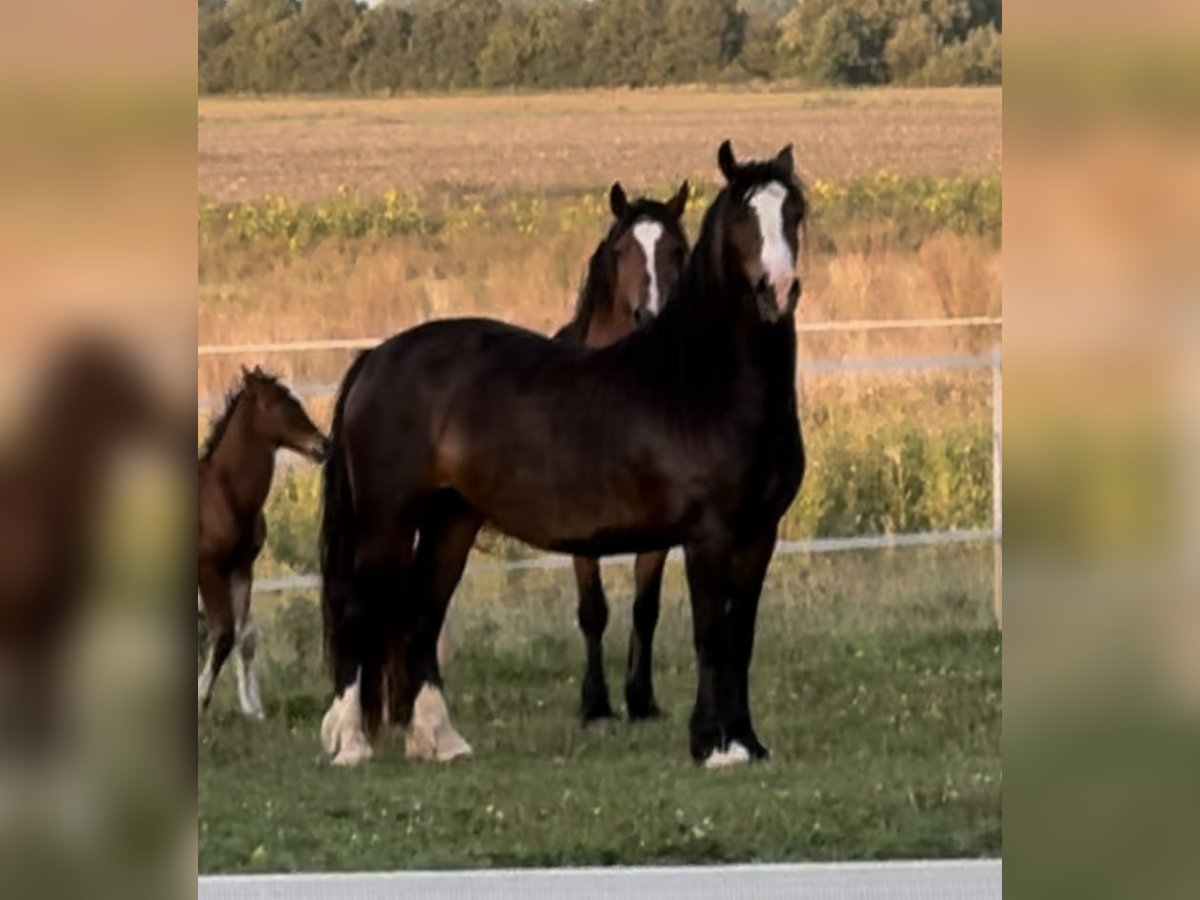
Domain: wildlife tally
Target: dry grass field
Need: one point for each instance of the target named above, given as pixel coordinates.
(306, 148)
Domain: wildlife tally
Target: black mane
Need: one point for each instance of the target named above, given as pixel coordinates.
(217, 430)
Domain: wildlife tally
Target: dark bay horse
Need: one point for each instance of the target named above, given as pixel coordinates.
(233, 480)
(630, 276)
(686, 432)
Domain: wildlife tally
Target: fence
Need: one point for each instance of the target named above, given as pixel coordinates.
(911, 364)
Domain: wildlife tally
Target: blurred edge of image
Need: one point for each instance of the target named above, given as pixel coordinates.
(97, 307)
(1102, 673)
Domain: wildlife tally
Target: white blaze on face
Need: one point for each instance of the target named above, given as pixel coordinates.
(778, 262)
(647, 234)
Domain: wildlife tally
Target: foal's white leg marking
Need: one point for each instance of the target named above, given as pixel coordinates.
(647, 234)
(205, 682)
(247, 680)
(734, 755)
(244, 644)
(342, 734)
(776, 256)
(430, 734)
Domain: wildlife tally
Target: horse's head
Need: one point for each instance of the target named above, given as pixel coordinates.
(648, 250)
(762, 218)
(279, 417)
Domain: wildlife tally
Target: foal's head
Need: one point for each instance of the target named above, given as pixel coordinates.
(277, 416)
(760, 229)
(643, 256)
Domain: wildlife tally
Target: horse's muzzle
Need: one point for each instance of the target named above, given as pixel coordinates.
(777, 299)
(317, 449)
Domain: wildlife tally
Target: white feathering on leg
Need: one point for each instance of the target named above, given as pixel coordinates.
(734, 755)
(430, 734)
(342, 735)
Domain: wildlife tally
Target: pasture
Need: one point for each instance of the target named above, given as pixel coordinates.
(876, 683)
(876, 678)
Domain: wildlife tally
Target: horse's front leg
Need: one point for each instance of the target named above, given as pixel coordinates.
(709, 589)
(748, 568)
(639, 672)
(593, 619)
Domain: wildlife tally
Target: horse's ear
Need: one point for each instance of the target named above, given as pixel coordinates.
(245, 373)
(725, 160)
(677, 204)
(786, 162)
(617, 201)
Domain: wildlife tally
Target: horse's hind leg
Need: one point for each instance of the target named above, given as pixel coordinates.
(361, 641)
(218, 612)
(593, 619)
(446, 536)
(639, 675)
(246, 640)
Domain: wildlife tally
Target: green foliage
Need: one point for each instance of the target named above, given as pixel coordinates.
(893, 41)
(340, 45)
(702, 38)
(912, 207)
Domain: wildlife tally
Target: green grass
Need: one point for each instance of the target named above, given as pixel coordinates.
(876, 682)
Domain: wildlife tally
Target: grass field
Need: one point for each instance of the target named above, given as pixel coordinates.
(876, 683)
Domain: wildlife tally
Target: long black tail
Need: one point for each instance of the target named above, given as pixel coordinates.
(338, 541)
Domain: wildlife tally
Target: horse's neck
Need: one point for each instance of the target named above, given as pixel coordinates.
(596, 323)
(604, 328)
(723, 348)
(244, 463)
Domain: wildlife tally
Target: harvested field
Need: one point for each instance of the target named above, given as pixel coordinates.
(306, 149)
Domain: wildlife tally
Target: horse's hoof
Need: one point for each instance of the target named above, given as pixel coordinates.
(453, 747)
(734, 755)
(355, 753)
(644, 712)
(596, 709)
(444, 746)
(600, 717)
(640, 703)
(430, 734)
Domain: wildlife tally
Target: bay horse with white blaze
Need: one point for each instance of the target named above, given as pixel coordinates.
(630, 276)
(686, 432)
(233, 480)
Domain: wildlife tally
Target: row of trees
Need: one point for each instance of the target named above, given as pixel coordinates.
(344, 45)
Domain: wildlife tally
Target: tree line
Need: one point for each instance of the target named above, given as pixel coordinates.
(278, 46)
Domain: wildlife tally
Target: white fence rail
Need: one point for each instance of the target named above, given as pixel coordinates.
(866, 325)
(543, 562)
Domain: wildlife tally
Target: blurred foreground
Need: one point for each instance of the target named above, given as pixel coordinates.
(97, 262)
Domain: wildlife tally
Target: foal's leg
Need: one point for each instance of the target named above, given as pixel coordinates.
(639, 675)
(593, 619)
(218, 612)
(445, 542)
(246, 640)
